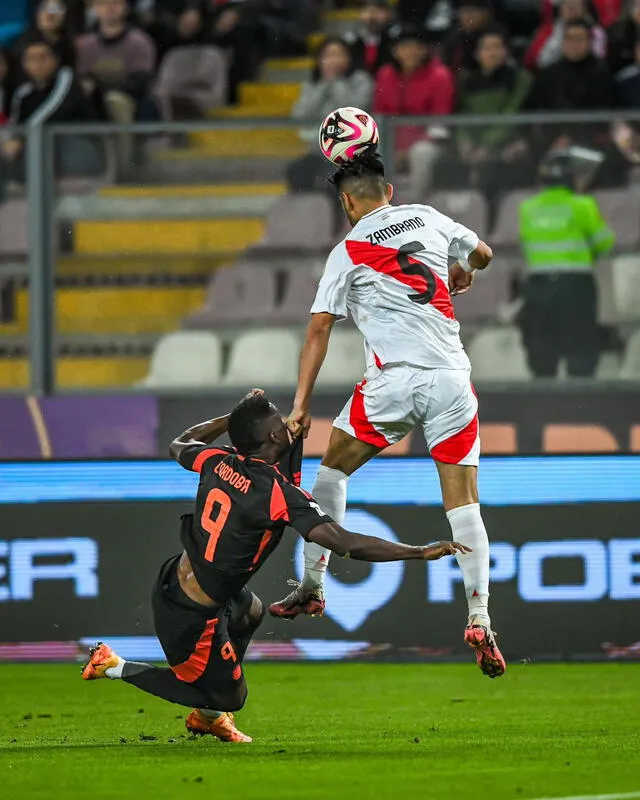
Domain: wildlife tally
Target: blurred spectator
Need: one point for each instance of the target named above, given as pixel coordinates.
(118, 62)
(371, 43)
(579, 81)
(546, 47)
(433, 15)
(50, 25)
(417, 83)
(54, 95)
(493, 157)
(234, 26)
(285, 25)
(334, 82)
(562, 235)
(473, 17)
(628, 82)
(623, 36)
(173, 23)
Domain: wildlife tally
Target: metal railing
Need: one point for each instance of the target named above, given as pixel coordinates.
(41, 179)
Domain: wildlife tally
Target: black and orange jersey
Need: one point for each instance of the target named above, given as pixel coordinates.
(242, 508)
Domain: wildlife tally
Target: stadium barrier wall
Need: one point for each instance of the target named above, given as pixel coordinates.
(527, 420)
(565, 562)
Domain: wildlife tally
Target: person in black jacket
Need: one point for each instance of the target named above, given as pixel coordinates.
(52, 94)
(622, 36)
(579, 81)
(50, 25)
(371, 45)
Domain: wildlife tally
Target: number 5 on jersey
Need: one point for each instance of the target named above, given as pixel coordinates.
(214, 525)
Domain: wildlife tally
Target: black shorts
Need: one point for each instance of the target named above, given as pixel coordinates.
(198, 642)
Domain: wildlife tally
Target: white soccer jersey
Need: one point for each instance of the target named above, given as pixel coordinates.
(391, 274)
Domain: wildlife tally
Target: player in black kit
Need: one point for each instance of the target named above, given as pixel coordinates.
(204, 615)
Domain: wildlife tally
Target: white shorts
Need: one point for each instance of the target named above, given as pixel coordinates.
(390, 402)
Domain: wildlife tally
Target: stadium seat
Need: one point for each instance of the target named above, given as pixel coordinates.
(192, 80)
(299, 293)
(469, 208)
(13, 228)
(608, 368)
(630, 369)
(301, 222)
(490, 291)
(238, 294)
(264, 358)
(345, 362)
(625, 276)
(185, 359)
(621, 209)
(497, 354)
(505, 232)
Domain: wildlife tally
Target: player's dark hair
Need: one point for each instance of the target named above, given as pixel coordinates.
(362, 176)
(245, 421)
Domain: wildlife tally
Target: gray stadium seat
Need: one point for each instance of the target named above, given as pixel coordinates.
(185, 359)
(301, 222)
(299, 293)
(490, 291)
(625, 277)
(264, 358)
(505, 232)
(13, 228)
(621, 209)
(497, 354)
(469, 208)
(191, 79)
(238, 294)
(345, 362)
(630, 369)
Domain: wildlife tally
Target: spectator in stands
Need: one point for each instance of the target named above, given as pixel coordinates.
(578, 82)
(50, 25)
(235, 24)
(117, 63)
(435, 16)
(173, 23)
(493, 157)
(335, 81)
(371, 45)
(546, 47)
(628, 82)
(56, 96)
(623, 36)
(472, 18)
(417, 83)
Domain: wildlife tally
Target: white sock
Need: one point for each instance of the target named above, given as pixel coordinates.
(115, 672)
(210, 714)
(468, 528)
(330, 493)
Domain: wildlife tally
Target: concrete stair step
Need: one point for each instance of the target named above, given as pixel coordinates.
(257, 142)
(202, 167)
(79, 372)
(195, 190)
(257, 112)
(114, 208)
(229, 235)
(99, 267)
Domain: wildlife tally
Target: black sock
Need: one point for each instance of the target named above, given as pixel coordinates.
(162, 682)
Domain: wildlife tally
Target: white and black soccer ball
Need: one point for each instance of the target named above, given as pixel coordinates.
(346, 133)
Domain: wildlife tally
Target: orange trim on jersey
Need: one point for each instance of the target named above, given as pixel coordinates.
(194, 667)
(204, 455)
(266, 538)
(278, 508)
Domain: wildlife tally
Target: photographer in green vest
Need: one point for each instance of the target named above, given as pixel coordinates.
(562, 234)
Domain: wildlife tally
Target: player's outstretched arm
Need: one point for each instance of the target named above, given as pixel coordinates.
(370, 548)
(312, 357)
(202, 433)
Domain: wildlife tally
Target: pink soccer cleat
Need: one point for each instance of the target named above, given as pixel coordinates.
(489, 658)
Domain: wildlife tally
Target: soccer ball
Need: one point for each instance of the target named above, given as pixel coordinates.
(346, 133)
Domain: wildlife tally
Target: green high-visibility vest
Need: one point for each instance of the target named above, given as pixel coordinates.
(562, 232)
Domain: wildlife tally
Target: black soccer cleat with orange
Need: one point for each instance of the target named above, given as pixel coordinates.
(309, 601)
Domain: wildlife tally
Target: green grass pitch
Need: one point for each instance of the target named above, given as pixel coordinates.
(344, 731)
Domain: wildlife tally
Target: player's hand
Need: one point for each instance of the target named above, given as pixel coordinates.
(433, 552)
(299, 422)
(459, 280)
